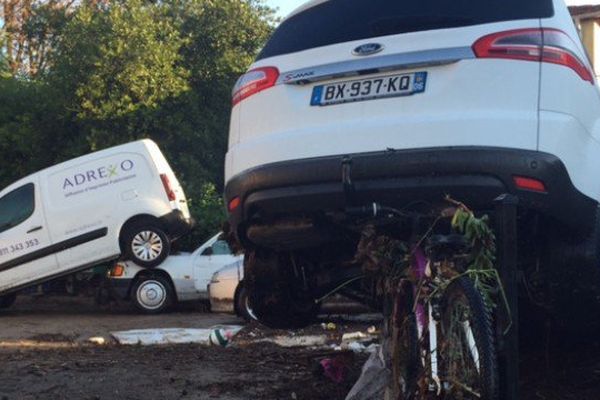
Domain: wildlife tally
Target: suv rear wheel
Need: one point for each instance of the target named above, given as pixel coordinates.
(272, 297)
(242, 304)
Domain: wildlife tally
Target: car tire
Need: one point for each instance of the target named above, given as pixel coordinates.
(152, 294)
(147, 245)
(8, 300)
(242, 304)
(271, 295)
(286, 313)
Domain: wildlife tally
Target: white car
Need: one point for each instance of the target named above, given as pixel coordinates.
(124, 201)
(181, 277)
(227, 292)
(352, 103)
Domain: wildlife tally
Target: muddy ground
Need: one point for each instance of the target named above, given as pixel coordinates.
(44, 355)
(78, 318)
(166, 372)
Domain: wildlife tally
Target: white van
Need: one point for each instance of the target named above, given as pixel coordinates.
(123, 201)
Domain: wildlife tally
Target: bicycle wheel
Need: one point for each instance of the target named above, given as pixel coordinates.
(403, 345)
(467, 354)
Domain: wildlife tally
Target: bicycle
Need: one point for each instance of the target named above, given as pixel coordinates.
(438, 331)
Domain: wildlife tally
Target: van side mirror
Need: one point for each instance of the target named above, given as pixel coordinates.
(208, 251)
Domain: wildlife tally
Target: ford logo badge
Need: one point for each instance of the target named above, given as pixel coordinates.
(367, 49)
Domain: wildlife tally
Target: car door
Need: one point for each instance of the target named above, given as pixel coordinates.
(26, 252)
(210, 259)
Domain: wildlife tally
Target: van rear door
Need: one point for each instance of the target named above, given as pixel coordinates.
(170, 183)
(26, 251)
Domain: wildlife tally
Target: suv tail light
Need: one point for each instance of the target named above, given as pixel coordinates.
(525, 183)
(234, 204)
(541, 45)
(168, 188)
(254, 81)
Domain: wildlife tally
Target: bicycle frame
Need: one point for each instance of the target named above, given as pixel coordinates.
(425, 319)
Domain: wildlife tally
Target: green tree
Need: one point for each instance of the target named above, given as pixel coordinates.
(28, 30)
(123, 70)
(30, 128)
(120, 64)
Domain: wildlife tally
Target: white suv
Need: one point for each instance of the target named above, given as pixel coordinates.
(352, 102)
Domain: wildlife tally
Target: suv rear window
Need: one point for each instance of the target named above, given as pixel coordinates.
(338, 21)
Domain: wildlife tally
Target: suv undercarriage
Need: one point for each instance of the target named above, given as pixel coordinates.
(300, 251)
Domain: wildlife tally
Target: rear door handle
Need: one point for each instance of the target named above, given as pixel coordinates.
(37, 228)
(371, 65)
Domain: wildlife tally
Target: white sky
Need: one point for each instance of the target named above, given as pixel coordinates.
(286, 6)
(582, 2)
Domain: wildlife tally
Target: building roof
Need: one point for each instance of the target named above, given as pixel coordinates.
(589, 11)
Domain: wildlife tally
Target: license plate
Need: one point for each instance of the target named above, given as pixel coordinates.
(369, 89)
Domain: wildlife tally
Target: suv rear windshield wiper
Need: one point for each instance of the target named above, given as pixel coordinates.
(411, 23)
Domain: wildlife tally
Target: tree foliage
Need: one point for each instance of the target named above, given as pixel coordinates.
(29, 30)
(116, 71)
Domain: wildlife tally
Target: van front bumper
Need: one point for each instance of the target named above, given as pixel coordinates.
(474, 175)
(176, 224)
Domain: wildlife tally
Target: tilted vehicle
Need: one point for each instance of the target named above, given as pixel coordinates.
(181, 277)
(122, 201)
(401, 103)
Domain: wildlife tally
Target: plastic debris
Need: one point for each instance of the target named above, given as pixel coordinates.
(298, 341)
(373, 380)
(334, 369)
(353, 336)
(99, 340)
(356, 347)
(358, 342)
(171, 335)
(330, 326)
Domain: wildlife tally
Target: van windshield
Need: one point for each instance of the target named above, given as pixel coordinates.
(338, 21)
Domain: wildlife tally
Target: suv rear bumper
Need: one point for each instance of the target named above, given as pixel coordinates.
(474, 175)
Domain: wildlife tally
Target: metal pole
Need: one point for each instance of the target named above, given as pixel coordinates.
(508, 344)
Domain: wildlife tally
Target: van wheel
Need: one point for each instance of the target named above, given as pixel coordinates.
(152, 294)
(146, 245)
(7, 300)
(242, 306)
